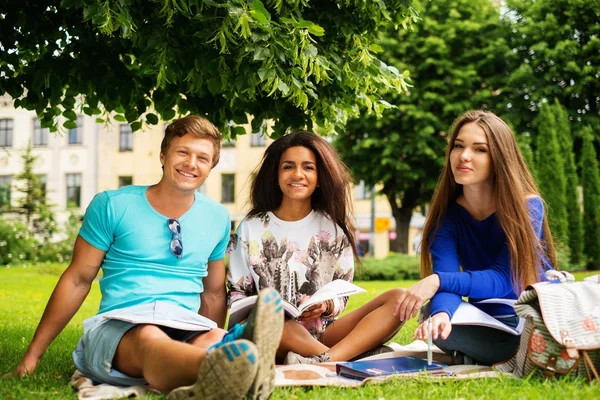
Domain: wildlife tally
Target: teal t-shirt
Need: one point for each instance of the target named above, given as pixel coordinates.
(139, 267)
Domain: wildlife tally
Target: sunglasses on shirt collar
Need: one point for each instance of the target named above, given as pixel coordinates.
(176, 245)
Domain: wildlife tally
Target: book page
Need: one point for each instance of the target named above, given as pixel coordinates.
(468, 314)
(332, 290)
(203, 324)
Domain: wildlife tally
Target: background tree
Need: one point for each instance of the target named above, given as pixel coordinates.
(550, 172)
(590, 180)
(32, 204)
(573, 206)
(455, 57)
(292, 61)
(556, 55)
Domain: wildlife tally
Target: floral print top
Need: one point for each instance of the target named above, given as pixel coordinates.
(296, 258)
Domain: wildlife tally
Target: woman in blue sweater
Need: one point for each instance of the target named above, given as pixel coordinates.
(486, 236)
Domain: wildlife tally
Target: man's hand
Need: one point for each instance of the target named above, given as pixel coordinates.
(441, 327)
(25, 367)
(410, 301)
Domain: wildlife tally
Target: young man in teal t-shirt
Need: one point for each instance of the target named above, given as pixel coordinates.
(161, 250)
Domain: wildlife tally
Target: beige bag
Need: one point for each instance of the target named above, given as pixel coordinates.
(562, 331)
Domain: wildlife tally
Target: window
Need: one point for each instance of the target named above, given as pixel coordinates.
(5, 182)
(6, 132)
(40, 135)
(125, 138)
(361, 191)
(76, 134)
(228, 142)
(227, 188)
(257, 140)
(125, 181)
(73, 190)
(42, 179)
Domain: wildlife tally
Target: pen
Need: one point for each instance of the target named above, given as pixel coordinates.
(429, 341)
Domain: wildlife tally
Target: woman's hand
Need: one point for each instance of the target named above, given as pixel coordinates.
(440, 327)
(411, 300)
(313, 312)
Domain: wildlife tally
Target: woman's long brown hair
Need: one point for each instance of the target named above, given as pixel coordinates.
(333, 196)
(512, 185)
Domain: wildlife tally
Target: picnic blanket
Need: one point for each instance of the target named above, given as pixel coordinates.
(309, 375)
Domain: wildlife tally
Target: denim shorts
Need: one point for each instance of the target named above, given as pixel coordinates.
(96, 349)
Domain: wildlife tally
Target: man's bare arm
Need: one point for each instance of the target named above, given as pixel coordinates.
(214, 298)
(67, 297)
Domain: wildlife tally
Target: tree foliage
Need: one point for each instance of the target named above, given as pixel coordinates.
(296, 62)
(455, 56)
(550, 172)
(33, 204)
(556, 55)
(590, 180)
(574, 221)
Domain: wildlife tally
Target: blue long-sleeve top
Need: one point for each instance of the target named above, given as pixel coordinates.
(481, 249)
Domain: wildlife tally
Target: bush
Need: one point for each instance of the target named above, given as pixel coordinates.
(392, 268)
(563, 258)
(17, 245)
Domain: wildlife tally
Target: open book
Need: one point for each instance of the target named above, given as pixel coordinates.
(468, 314)
(240, 309)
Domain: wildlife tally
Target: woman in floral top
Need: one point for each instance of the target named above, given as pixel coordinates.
(298, 237)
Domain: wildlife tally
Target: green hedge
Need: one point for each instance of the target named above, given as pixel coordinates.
(392, 268)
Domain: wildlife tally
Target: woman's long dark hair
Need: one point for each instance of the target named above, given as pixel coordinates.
(332, 196)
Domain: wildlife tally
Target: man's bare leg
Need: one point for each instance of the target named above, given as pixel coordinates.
(146, 351)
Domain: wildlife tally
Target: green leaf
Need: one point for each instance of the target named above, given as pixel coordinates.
(70, 125)
(136, 126)
(283, 88)
(261, 53)
(375, 48)
(100, 120)
(238, 130)
(265, 73)
(316, 30)
(120, 118)
(120, 110)
(260, 13)
(168, 114)
(214, 85)
(70, 115)
(152, 119)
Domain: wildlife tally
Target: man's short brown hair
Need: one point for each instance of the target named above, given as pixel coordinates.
(196, 126)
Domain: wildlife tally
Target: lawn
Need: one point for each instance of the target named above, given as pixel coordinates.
(25, 291)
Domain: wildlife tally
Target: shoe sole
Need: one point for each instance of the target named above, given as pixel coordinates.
(264, 329)
(226, 373)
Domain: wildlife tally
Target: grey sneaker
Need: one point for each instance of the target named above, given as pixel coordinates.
(459, 358)
(264, 328)
(294, 358)
(377, 350)
(227, 373)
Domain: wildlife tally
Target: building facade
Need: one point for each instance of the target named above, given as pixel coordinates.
(78, 163)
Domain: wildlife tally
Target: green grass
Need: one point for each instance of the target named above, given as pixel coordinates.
(25, 291)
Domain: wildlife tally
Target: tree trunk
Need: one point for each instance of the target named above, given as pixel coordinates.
(402, 214)
(402, 217)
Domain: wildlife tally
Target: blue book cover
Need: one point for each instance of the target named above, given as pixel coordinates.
(387, 366)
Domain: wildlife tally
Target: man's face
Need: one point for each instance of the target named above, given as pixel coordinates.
(188, 162)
